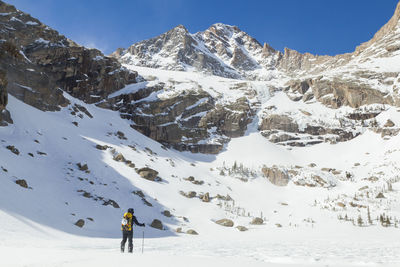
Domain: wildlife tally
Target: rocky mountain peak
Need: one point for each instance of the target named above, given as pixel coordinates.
(392, 27)
(222, 29)
(180, 28)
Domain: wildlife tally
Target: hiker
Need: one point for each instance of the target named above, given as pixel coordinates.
(127, 233)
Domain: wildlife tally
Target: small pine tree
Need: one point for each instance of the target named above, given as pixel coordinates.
(387, 222)
(369, 216)
(360, 220)
(390, 186)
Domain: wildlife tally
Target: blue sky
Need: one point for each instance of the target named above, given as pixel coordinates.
(316, 26)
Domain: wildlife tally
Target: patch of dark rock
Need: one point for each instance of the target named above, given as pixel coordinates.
(362, 116)
(193, 180)
(142, 196)
(90, 219)
(84, 110)
(22, 183)
(130, 164)
(30, 154)
(13, 149)
(157, 224)
(190, 194)
(112, 203)
(380, 195)
(36, 141)
(86, 194)
(167, 213)
(121, 135)
(83, 167)
(138, 193)
(75, 123)
(4, 169)
(100, 147)
(147, 203)
(41, 153)
(80, 223)
(150, 151)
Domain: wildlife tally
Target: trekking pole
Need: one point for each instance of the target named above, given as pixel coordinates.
(142, 241)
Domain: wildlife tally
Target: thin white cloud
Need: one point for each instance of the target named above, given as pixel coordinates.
(92, 43)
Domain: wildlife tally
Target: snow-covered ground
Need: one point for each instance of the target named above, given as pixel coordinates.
(301, 226)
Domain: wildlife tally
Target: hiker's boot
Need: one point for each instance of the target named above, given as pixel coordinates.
(122, 249)
(130, 249)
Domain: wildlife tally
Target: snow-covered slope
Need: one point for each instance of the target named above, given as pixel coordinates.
(58, 193)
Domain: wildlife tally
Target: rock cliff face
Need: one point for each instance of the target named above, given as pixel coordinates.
(48, 64)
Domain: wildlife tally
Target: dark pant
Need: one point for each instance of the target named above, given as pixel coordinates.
(127, 235)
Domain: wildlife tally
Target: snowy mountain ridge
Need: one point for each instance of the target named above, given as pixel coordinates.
(221, 50)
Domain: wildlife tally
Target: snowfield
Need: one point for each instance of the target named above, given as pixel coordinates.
(37, 224)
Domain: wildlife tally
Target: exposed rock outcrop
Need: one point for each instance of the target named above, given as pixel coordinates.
(49, 64)
(276, 176)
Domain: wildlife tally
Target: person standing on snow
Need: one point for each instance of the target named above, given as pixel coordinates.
(127, 231)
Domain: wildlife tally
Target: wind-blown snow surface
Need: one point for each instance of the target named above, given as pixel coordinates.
(37, 223)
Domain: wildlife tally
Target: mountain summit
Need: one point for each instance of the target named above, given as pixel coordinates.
(221, 50)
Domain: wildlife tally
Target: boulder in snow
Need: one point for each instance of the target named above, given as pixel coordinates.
(80, 223)
(148, 173)
(257, 221)
(225, 222)
(157, 224)
(191, 232)
(22, 183)
(241, 228)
